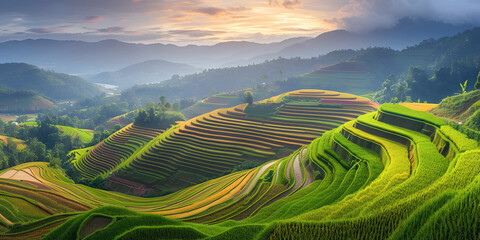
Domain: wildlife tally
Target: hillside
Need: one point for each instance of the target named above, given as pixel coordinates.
(6, 139)
(22, 101)
(59, 86)
(464, 112)
(213, 81)
(221, 100)
(222, 140)
(395, 173)
(142, 73)
(406, 32)
(439, 65)
(351, 77)
(83, 136)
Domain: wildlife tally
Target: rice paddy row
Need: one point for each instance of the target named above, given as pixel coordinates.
(395, 173)
(218, 141)
(111, 152)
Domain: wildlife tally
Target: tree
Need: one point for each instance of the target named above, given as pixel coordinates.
(176, 106)
(248, 97)
(184, 103)
(477, 84)
(163, 100)
(464, 86)
(38, 149)
(22, 119)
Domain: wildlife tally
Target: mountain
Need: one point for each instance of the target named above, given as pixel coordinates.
(142, 73)
(209, 82)
(406, 33)
(89, 58)
(439, 65)
(59, 86)
(23, 101)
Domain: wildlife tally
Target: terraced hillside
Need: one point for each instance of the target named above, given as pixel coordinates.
(20, 143)
(84, 135)
(122, 120)
(396, 173)
(352, 77)
(20, 102)
(225, 138)
(113, 151)
(222, 100)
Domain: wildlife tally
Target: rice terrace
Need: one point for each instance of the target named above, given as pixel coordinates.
(241, 120)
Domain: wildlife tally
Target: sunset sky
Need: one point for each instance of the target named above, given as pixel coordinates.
(213, 21)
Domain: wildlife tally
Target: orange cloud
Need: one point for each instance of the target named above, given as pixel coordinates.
(285, 3)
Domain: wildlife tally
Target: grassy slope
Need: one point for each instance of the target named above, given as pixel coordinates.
(84, 135)
(463, 109)
(374, 180)
(24, 103)
(220, 140)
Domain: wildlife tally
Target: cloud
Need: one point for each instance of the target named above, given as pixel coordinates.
(213, 11)
(40, 30)
(47, 30)
(93, 19)
(75, 10)
(111, 30)
(290, 4)
(239, 9)
(210, 10)
(366, 15)
(195, 33)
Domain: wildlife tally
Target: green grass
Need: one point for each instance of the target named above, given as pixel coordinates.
(353, 82)
(85, 136)
(374, 179)
(456, 105)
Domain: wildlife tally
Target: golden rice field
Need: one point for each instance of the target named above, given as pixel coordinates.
(395, 173)
(215, 142)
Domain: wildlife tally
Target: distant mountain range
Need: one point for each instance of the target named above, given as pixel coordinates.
(355, 71)
(142, 73)
(90, 58)
(407, 32)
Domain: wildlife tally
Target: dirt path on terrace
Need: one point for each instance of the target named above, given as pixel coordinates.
(309, 177)
(290, 163)
(455, 118)
(297, 171)
(19, 175)
(5, 219)
(254, 180)
(298, 180)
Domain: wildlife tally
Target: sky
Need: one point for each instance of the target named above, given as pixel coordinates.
(206, 22)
